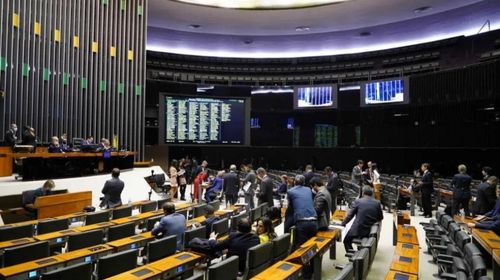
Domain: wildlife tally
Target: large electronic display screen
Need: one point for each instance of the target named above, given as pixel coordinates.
(205, 120)
(315, 97)
(394, 91)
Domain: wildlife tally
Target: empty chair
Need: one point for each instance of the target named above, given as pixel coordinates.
(199, 210)
(281, 247)
(148, 207)
(236, 218)
(120, 231)
(221, 227)
(97, 217)
(150, 223)
(81, 271)
(122, 212)
(10, 233)
(161, 202)
(226, 269)
(189, 235)
(84, 239)
(161, 248)
(258, 259)
(116, 263)
(371, 245)
(52, 226)
(25, 253)
(347, 273)
(361, 262)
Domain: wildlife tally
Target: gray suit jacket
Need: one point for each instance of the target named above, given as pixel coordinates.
(266, 192)
(112, 192)
(323, 206)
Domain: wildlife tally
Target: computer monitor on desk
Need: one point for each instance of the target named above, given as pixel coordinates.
(89, 148)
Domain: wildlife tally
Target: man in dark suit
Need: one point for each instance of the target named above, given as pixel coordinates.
(266, 188)
(322, 203)
(231, 185)
(308, 174)
(461, 191)
(10, 135)
(333, 185)
(427, 187)
(112, 190)
(485, 197)
(368, 211)
(490, 220)
(251, 181)
(357, 175)
(238, 243)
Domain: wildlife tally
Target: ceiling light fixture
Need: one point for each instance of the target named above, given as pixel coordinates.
(422, 9)
(302, 28)
(365, 34)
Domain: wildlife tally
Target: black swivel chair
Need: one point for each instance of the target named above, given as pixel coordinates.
(25, 253)
(52, 226)
(148, 207)
(150, 223)
(347, 273)
(226, 269)
(281, 247)
(10, 233)
(236, 218)
(199, 210)
(116, 263)
(189, 235)
(97, 217)
(161, 248)
(122, 212)
(259, 258)
(221, 227)
(215, 204)
(120, 231)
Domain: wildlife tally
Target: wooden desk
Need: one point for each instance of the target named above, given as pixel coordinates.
(405, 264)
(74, 217)
(335, 235)
(391, 275)
(175, 264)
(463, 221)
(86, 254)
(313, 249)
(488, 239)
(139, 218)
(5, 161)
(31, 222)
(199, 219)
(142, 272)
(407, 250)
(32, 268)
(280, 271)
(407, 234)
(131, 242)
(56, 237)
(102, 225)
(16, 242)
(377, 191)
(339, 215)
(62, 204)
(399, 218)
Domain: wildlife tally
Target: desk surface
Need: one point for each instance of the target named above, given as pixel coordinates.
(142, 272)
(56, 234)
(487, 238)
(67, 155)
(95, 226)
(402, 219)
(16, 242)
(85, 252)
(339, 215)
(138, 217)
(407, 250)
(131, 239)
(174, 261)
(405, 264)
(279, 271)
(30, 266)
(407, 234)
(391, 275)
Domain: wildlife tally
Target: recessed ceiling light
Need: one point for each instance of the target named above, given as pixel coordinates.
(194, 26)
(302, 28)
(422, 9)
(365, 34)
(248, 42)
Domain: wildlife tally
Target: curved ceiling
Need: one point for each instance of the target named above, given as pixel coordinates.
(345, 27)
(261, 4)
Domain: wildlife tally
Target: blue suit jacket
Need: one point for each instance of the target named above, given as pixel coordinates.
(367, 211)
(461, 185)
(173, 224)
(300, 205)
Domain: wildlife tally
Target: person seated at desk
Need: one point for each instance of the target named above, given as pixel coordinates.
(105, 145)
(45, 190)
(210, 219)
(112, 190)
(368, 211)
(485, 196)
(265, 230)
(172, 224)
(10, 137)
(238, 243)
(88, 141)
(214, 188)
(55, 146)
(490, 220)
(29, 136)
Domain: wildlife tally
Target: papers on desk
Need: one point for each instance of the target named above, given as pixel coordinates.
(341, 229)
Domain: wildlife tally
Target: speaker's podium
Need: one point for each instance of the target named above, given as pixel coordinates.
(62, 204)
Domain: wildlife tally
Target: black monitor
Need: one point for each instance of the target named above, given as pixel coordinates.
(97, 217)
(89, 148)
(121, 231)
(84, 239)
(25, 253)
(51, 226)
(114, 264)
(148, 207)
(221, 227)
(122, 212)
(10, 233)
(77, 142)
(161, 248)
(81, 271)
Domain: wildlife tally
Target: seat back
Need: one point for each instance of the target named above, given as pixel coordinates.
(453, 229)
(150, 223)
(263, 209)
(149, 206)
(215, 204)
(25, 253)
(81, 271)
(259, 257)
(281, 247)
(255, 214)
(445, 221)
(189, 235)
(221, 227)
(462, 239)
(51, 226)
(347, 273)
(477, 267)
(122, 212)
(371, 245)
(184, 213)
(161, 248)
(10, 233)
(161, 202)
(84, 239)
(121, 231)
(97, 217)
(236, 218)
(116, 263)
(361, 262)
(226, 269)
(199, 210)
